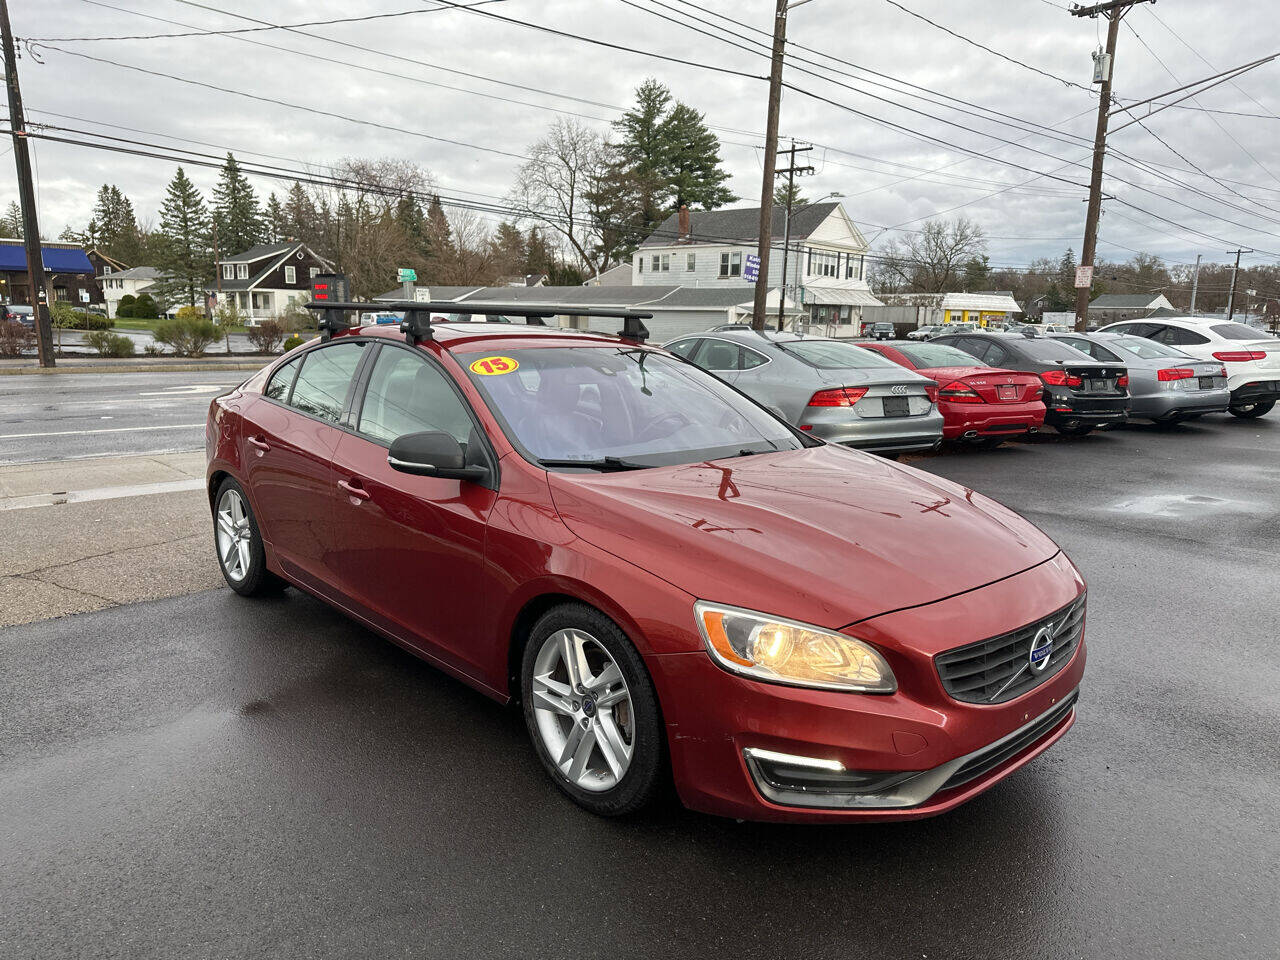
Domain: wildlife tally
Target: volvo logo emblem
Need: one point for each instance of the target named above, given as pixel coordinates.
(898, 390)
(1041, 649)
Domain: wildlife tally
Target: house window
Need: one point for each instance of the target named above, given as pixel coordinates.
(690, 262)
(262, 301)
(61, 293)
(315, 272)
(290, 275)
(105, 270)
(242, 271)
(228, 271)
(823, 264)
(655, 263)
(853, 268)
(731, 264)
(640, 264)
(666, 263)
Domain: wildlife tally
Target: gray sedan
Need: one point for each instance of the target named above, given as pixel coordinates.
(832, 388)
(1165, 384)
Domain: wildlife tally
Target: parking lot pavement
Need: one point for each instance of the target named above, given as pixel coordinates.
(206, 776)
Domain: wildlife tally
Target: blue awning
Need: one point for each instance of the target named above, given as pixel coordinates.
(13, 257)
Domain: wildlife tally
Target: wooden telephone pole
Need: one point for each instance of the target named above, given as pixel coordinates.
(26, 196)
(1114, 11)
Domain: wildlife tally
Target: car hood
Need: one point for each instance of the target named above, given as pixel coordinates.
(825, 535)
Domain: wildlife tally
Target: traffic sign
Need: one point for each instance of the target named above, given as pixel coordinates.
(407, 275)
(1084, 277)
(751, 270)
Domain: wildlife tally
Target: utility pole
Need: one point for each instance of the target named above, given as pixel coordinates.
(1195, 285)
(770, 163)
(1231, 297)
(1114, 11)
(26, 196)
(791, 172)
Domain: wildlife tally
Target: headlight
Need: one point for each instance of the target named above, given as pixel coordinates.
(784, 651)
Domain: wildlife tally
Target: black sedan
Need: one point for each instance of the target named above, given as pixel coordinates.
(1080, 394)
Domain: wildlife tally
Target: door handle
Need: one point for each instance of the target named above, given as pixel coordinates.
(261, 445)
(354, 490)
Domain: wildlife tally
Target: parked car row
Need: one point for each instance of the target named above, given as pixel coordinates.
(986, 387)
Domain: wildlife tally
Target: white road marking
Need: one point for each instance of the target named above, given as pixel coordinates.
(75, 433)
(101, 493)
(189, 388)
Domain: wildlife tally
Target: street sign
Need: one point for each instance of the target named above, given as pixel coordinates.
(751, 269)
(407, 275)
(1084, 277)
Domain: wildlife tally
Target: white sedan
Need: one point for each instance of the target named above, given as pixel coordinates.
(1251, 357)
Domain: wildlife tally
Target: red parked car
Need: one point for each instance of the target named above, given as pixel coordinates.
(979, 404)
(671, 581)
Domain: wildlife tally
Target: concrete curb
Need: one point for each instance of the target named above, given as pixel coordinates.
(161, 367)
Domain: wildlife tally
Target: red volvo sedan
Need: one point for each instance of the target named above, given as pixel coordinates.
(979, 404)
(668, 579)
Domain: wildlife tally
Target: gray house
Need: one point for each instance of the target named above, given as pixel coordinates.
(1114, 307)
(265, 279)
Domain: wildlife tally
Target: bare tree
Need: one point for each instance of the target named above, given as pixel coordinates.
(933, 260)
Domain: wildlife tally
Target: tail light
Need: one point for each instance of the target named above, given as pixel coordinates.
(1060, 378)
(838, 397)
(1240, 356)
(1122, 381)
(1175, 373)
(959, 392)
(931, 391)
(1222, 371)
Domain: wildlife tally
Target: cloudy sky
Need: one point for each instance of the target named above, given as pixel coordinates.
(437, 72)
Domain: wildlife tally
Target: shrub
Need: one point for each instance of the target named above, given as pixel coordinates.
(266, 336)
(15, 338)
(124, 308)
(144, 308)
(293, 341)
(189, 334)
(153, 350)
(297, 317)
(110, 344)
(91, 321)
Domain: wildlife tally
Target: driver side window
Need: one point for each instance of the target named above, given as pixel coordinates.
(407, 394)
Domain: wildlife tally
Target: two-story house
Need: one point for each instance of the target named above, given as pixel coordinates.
(118, 284)
(825, 270)
(265, 279)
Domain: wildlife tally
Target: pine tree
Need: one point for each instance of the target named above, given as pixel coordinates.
(236, 211)
(11, 222)
(273, 217)
(186, 255)
(781, 191)
(643, 149)
(439, 236)
(692, 166)
(114, 226)
(301, 219)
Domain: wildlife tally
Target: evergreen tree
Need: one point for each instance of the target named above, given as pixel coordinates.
(11, 222)
(781, 192)
(508, 250)
(977, 273)
(413, 222)
(643, 149)
(114, 227)
(186, 255)
(236, 211)
(440, 238)
(301, 219)
(273, 220)
(693, 161)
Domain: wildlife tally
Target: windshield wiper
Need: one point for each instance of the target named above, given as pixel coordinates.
(603, 463)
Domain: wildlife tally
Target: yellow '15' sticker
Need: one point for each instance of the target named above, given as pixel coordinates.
(492, 366)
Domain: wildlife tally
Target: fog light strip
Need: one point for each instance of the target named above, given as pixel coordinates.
(813, 763)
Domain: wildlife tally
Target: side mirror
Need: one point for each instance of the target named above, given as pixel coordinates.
(433, 454)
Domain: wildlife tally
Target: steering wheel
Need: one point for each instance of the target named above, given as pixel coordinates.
(653, 429)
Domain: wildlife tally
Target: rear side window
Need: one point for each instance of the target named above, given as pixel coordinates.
(834, 355)
(1178, 337)
(1052, 351)
(928, 355)
(407, 394)
(718, 355)
(325, 378)
(750, 359)
(1134, 329)
(1097, 351)
(996, 355)
(684, 348)
(282, 381)
(1237, 331)
(1147, 349)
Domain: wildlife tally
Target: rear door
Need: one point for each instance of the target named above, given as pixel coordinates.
(721, 357)
(409, 550)
(290, 435)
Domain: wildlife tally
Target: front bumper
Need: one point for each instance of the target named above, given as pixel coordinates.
(715, 717)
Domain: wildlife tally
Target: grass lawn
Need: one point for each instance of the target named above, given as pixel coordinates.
(133, 323)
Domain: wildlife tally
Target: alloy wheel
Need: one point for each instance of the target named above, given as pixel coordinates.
(234, 534)
(582, 708)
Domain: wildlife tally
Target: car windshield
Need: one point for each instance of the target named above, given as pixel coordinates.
(1051, 351)
(835, 354)
(936, 355)
(1143, 348)
(1237, 331)
(627, 404)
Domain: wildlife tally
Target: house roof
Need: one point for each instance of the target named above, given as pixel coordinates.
(281, 251)
(1126, 301)
(741, 225)
(991, 301)
(260, 251)
(57, 257)
(133, 273)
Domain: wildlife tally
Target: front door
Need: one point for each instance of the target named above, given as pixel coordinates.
(410, 550)
(290, 436)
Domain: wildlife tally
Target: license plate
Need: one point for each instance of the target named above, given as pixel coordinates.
(1206, 383)
(1099, 386)
(896, 406)
(1007, 391)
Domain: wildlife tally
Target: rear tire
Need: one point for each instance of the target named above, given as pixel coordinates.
(591, 711)
(1251, 411)
(237, 542)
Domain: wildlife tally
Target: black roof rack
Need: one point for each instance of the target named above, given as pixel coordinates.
(417, 316)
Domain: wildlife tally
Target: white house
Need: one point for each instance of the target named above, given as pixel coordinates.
(825, 262)
(265, 279)
(118, 284)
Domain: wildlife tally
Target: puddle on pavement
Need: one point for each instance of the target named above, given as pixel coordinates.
(1180, 505)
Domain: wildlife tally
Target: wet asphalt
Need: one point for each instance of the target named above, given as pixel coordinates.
(213, 777)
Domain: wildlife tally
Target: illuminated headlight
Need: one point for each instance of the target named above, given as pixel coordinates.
(784, 651)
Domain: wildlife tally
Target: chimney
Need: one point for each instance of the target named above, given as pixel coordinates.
(684, 224)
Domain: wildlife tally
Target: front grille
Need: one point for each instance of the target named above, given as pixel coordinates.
(1002, 750)
(999, 669)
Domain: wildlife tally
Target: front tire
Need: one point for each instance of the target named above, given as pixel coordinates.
(591, 711)
(1251, 411)
(238, 542)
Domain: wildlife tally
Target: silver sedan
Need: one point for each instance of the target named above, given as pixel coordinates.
(1165, 384)
(833, 389)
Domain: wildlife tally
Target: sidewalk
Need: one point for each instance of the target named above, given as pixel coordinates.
(88, 534)
(10, 366)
